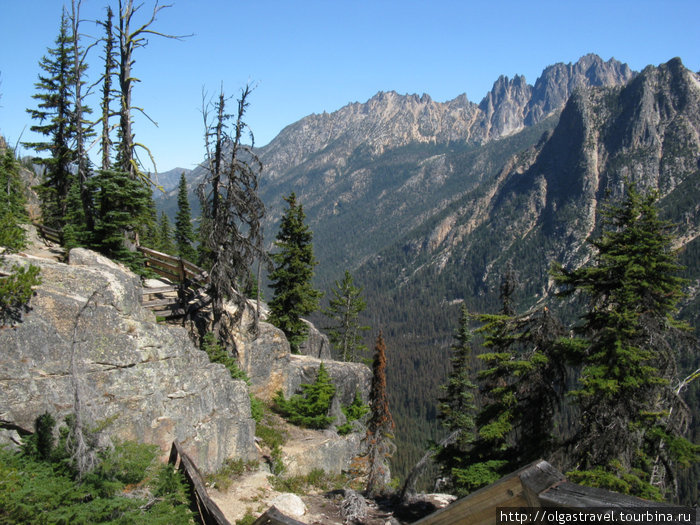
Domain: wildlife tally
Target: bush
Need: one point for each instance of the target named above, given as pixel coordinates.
(310, 409)
(217, 354)
(354, 411)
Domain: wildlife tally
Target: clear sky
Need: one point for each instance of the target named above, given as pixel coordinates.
(313, 56)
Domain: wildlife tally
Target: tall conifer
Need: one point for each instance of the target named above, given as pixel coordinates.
(294, 294)
(457, 407)
(343, 310)
(55, 96)
(632, 418)
(184, 234)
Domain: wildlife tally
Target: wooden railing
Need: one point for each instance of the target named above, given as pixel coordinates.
(172, 301)
(174, 268)
(536, 485)
(189, 292)
(208, 511)
(50, 234)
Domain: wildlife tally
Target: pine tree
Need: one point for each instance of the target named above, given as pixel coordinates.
(294, 294)
(184, 234)
(165, 242)
(632, 419)
(121, 203)
(380, 427)
(344, 309)
(521, 386)
(55, 93)
(457, 407)
(83, 132)
(16, 282)
(110, 71)
(311, 408)
(232, 212)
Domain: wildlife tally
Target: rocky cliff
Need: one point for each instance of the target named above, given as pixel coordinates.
(87, 336)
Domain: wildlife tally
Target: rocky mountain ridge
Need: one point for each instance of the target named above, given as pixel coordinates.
(389, 120)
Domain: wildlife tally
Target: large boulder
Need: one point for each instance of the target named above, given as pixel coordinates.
(266, 358)
(316, 343)
(324, 450)
(87, 335)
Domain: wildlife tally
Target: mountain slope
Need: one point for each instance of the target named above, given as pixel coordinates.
(387, 165)
(541, 207)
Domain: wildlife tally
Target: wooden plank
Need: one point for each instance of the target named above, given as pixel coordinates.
(274, 517)
(210, 512)
(569, 494)
(167, 301)
(156, 254)
(538, 477)
(191, 266)
(481, 507)
(163, 273)
(161, 289)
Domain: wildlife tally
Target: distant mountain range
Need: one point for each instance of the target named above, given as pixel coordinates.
(426, 203)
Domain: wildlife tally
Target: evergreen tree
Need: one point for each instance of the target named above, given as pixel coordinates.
(521, 386)
(110, 71)
(457, 408)
(311, 408)
(55, 94)
(165, 235)
(83, 132)
(16, 282)
(294, 294)
(344, 309)
(121, 202)
(184, 235)
(380, 427)
(632, 419)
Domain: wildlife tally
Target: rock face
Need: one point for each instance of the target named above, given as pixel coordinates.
(323, 450)
(88, 334)
(270, 365)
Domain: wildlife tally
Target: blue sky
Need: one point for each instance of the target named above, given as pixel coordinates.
(312, 56)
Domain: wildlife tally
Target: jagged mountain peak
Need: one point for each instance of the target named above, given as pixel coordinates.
(389, 119)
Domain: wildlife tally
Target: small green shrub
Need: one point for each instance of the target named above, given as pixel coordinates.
(33, 490)
(310, 409)
(277, 467)
(257, 408)
(354, 411)
(316, 479)
(270, 435)
(217, 354)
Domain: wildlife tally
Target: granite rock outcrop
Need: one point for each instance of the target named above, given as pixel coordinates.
(88, 336)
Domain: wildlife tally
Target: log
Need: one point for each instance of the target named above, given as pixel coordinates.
(209, 511)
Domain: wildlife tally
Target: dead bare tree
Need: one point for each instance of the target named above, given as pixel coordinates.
(231, 208)
(83, 442)
(129, 40)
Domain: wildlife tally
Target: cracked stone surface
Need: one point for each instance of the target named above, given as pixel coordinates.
(86, 330)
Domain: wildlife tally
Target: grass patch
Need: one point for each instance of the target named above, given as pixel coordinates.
(248, 519)
(316, 479)
(229, 472)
